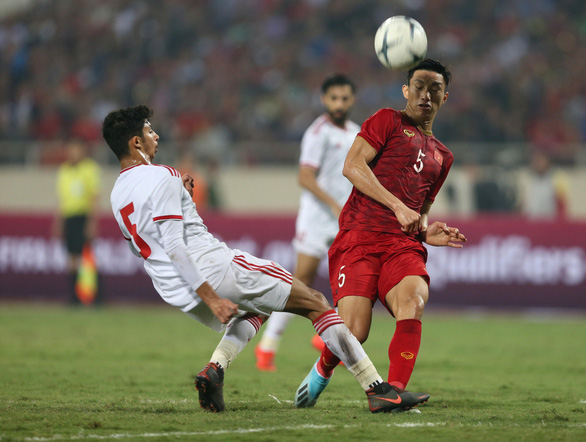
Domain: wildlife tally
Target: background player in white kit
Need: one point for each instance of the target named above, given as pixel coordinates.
(324, 147)
(200, 275)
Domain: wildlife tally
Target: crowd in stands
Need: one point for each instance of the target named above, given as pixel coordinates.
(222, 72)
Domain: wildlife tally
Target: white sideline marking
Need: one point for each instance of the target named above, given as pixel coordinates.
(275, 398)
(214, 433)
(280, 401)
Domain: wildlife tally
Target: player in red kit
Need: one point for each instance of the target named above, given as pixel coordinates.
(397, 168)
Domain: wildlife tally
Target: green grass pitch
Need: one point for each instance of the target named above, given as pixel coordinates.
(126, 373)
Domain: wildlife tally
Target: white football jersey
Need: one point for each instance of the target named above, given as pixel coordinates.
(146, 194)
(324, 147)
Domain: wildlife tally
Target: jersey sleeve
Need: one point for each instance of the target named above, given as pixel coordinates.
(166, 199)
(378, 128)
(312, 149)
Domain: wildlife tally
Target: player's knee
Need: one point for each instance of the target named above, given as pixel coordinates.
(320, 300)
(306, 301)
(361, 335)
(416, 302)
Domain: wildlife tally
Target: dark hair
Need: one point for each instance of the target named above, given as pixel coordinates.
(121, 125)
(429, 64)
(337, 80)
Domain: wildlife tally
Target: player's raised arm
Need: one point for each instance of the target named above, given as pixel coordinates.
(356, 169)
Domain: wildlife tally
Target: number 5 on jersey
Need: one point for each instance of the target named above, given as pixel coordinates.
(419, 163)
(144, 249)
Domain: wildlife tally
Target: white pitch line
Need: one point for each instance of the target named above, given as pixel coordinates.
(214, 433)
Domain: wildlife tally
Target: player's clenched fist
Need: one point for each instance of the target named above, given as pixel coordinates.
(408, 218)
(224, 309)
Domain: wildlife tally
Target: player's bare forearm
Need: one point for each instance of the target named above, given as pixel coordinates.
(222, 308)
(356, 169)
(440, 234)
(308, 180)
(424, 212)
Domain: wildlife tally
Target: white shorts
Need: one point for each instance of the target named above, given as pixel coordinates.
(314, 242)
(256, 285)
(315, 231)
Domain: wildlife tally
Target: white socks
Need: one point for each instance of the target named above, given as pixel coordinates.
(238, 332)
(276, 325)
(345, 346)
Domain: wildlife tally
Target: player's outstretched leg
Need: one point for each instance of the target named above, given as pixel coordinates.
(310, 389)
(210, 384)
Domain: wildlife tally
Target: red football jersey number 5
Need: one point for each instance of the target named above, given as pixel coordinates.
(145, 250)
(419, 163)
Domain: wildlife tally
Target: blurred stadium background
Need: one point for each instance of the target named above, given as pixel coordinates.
(235, 83)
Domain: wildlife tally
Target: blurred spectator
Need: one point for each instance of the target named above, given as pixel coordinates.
(214, 195)
(494, 191)
(232, 71)
(545, 191)
(78, 186)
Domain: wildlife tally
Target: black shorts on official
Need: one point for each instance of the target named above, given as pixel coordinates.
(74, 233)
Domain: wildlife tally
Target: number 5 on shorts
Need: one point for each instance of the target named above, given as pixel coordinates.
(341, 277)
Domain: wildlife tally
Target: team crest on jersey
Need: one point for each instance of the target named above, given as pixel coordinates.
(438, 157)
(408, 132)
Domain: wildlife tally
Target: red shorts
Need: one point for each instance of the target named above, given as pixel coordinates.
(370, 264)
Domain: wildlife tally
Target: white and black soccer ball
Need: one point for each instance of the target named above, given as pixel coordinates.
(400, 42)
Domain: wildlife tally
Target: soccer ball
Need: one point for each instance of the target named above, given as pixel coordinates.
(400, 43)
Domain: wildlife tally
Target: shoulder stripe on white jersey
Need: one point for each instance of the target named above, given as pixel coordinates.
(128, 168)
(164, 217)
(171, 170)
(270, 270)
(323, 119)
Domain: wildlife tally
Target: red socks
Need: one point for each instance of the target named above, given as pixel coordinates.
(327, 362)
(403, 351)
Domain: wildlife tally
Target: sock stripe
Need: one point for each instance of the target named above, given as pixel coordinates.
(326, 320)
(255, 322)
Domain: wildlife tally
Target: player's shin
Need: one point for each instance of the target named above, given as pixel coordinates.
(403, 351)
(238, 333)
(346, 347)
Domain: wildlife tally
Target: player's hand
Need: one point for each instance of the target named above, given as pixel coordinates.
(439, 234)
(188, 183)
(409, 219)
(223, 309)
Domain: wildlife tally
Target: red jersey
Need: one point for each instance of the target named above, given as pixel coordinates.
(410, 163)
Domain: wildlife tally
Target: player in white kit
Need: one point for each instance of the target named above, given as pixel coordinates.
(324, 147)
(222, 288)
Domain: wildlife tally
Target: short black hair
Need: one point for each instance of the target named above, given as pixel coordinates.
(337, 80)
(121, 125)
(429, 64)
